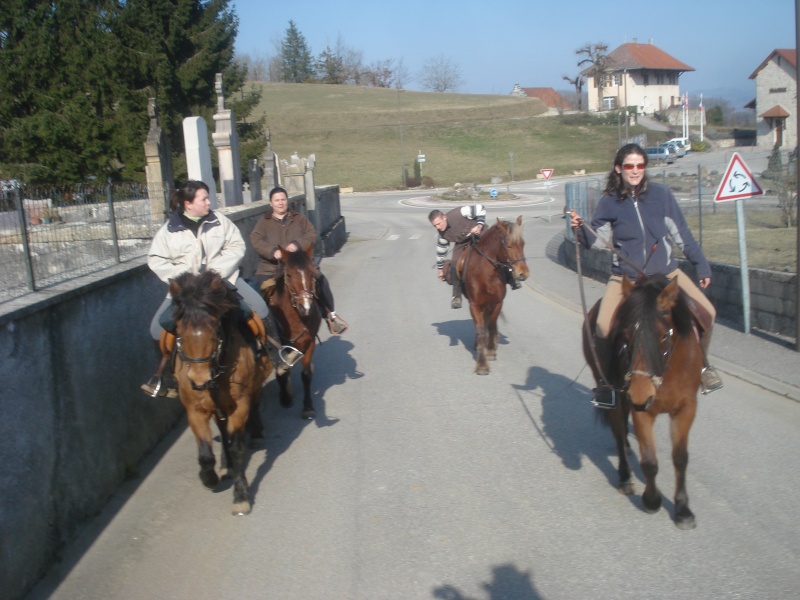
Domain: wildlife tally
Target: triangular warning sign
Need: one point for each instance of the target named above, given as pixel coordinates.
(738, 182)
(546, 173)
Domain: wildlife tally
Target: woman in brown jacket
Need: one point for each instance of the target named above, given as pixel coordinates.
(292, 231)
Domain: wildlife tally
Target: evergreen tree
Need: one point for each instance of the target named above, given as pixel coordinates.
(330, 67)
(296, 56)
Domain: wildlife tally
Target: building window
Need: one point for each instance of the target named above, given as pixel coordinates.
(659, 79)
(611, 81)
(609, 103)
(777, 90)
(645, 79)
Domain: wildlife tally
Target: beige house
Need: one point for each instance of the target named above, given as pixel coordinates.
(776, 99)
(634, 74)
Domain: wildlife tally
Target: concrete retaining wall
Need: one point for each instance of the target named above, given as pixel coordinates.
(75, 423)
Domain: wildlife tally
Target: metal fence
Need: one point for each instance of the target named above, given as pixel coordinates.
(770, 219)
(52, 234)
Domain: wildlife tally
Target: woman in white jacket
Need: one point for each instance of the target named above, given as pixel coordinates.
(196, 239)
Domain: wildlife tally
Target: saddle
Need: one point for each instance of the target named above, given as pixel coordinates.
(461, 261)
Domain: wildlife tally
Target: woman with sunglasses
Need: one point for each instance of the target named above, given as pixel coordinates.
(642, 221)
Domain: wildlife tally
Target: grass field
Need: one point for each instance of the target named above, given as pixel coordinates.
(355, 134)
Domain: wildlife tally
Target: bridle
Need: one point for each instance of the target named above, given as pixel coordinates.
(668, 342)
(508, 263)
(213, 358)
(301, 297)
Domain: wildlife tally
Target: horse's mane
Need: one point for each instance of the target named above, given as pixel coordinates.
(202, 297)
(298, 260)
(492, 235)
(641, 308)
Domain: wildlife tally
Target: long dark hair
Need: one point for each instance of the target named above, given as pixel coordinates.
(185, 193)
(615, 186)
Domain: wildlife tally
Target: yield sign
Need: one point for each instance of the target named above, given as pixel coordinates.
(546, 173)
(738, 182)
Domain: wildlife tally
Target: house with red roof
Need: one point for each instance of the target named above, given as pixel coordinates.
(775, 102)
(634, 74)
(551, 98)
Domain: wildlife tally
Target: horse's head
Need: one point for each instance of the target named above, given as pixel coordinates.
(298, 280)
(513, 244)
(651, 317)
(201, 301)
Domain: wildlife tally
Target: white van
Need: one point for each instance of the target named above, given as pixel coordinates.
(681, 142)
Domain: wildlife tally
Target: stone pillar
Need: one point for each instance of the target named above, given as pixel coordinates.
(255, 181)
(292, 175)
(271, 176)
(226, 141)
(198, 155)
(158, 165)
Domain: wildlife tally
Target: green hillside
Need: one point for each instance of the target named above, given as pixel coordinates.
(355, 134)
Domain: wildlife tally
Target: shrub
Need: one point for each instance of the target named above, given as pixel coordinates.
(699, 147)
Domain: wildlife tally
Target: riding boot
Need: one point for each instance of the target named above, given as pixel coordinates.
(708, 376)
(163, 383)
(604, 393)
(456, 301)
(283, 361)
(512, 281)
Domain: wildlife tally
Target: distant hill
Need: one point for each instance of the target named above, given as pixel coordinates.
(355, 133)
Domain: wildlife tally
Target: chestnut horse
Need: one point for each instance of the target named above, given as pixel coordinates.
(655, 369)
(484, 273)
(293, 302)
(218, 374)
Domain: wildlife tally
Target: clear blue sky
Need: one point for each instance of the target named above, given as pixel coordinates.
(499, 43)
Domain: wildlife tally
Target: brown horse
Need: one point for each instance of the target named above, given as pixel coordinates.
(219, 375)
(294, 305)
(655, 369)
(484, 273)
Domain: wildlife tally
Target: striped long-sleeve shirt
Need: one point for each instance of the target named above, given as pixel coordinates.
(459, 222)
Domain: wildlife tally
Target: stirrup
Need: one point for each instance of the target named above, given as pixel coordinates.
(710, 380)
(605, 397)
(289, 356)
(337, 325)
(155, 388)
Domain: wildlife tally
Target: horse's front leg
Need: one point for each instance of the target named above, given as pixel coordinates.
(307, 375)
(479, 318)
(679, 430)
(492, 336)
(286, 391)
(237, 449)
(618, 421)
(643, 423)
(199, 423)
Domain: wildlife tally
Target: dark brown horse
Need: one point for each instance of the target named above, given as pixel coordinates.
(294, 305)
(219, 375)
(484, 273)
(655, 369)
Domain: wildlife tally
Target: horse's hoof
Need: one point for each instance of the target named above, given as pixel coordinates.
(491, 357)
(483, 371)
(209, 479)
(309, 415)
(287, 402)
(240, 509)
(626, 488)
(652, 506)
(685, 520)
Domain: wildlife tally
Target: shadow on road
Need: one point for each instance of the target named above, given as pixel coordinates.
(508, 583)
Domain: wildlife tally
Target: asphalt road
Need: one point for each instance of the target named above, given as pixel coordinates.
(420, 479)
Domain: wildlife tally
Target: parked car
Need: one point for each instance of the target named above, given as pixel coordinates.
(682, 142)
(659, 155)
(674, 149)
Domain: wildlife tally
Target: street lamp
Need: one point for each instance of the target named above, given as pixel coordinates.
(402, 152)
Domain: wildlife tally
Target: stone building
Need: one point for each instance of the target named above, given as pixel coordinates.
(776, 100)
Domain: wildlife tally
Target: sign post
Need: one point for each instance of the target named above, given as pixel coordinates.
(546, 173)
(737, 184)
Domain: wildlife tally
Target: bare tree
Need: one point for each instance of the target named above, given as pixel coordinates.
(440, 74)
(595, 64)
(402, 76)
(577, 83)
